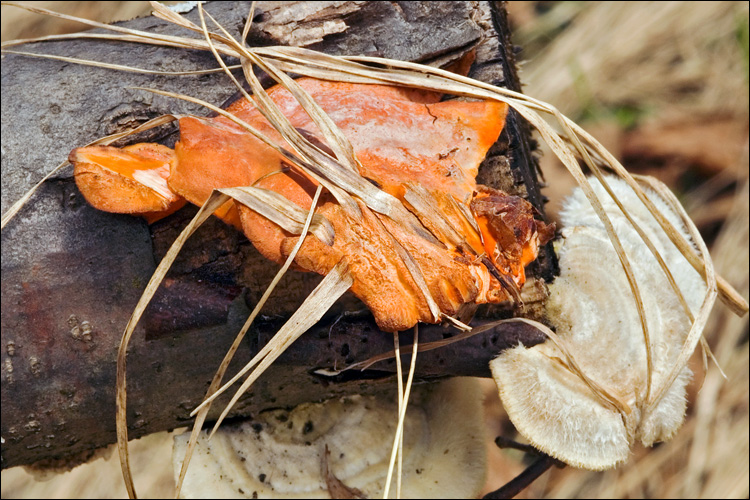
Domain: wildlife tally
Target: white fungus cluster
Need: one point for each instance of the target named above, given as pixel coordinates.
(593, 310)
(280, 454)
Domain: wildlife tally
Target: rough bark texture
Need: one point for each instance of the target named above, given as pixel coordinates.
(72, 275)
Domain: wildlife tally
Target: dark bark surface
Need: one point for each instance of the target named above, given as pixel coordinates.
(71, 275)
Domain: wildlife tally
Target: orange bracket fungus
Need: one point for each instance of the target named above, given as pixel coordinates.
(470, 243)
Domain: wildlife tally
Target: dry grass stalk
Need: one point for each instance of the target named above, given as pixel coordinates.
(201, 415)
(682, 58)
(403, 400)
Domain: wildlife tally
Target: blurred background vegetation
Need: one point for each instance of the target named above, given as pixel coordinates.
(664, 86)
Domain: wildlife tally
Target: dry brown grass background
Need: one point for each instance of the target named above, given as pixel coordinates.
(665, 86)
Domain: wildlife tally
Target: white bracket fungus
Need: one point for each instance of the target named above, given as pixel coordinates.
(281, 453)
(595, 314)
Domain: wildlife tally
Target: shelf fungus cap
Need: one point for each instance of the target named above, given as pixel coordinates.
(282, 454)
(128, 180)
(593, 310)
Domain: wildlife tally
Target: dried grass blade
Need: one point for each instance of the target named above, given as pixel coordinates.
(209, 207)
(340, 195)
(429, 346)
(334, 285)
(324, 66)
(335, 138)
(164, 13)
(141, 36)
(414, 271)
(728, 294)
(287, 155)
(400, 399)
(170, 16)
(668, 228)
(118, 67)
(216, 382)
(402, 412)
(286, 214)
(211, 46)
(299, 163)
(426, 209)
(95, 36)
(248, 23)
(421, 76)
(322, 165)
(344, 176)
(646, 240)
(659, 189)
(566, 156)
(696, 330)
(455, 322)
(465, 212)
(155, 122)
(605, 395)
(13, 210)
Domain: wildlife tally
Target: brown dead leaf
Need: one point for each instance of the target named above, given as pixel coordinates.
(336, 488)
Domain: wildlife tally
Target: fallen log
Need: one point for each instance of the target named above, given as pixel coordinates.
(72, 275)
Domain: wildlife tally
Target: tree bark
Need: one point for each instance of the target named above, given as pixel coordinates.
(72, 275)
